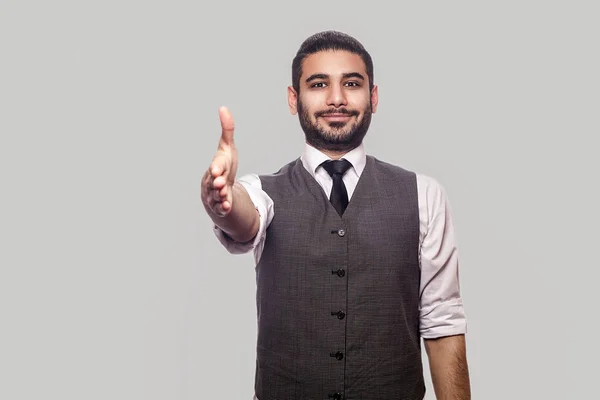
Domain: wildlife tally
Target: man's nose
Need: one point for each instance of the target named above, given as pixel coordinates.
(336, 97)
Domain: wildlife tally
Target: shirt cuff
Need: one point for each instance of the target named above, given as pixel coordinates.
(233, 246)
(443, 319)
(264, 206)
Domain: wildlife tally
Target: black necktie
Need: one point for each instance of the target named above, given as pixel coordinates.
(339, 195)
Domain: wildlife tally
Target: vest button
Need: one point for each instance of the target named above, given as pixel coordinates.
(340, 314)
(339, 272)
(339, 355)
(335, 396)
(341, 232)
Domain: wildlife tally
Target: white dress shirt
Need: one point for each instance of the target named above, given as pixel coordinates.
(441, 307)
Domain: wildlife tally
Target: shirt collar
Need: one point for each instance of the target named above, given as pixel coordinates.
(312, 159)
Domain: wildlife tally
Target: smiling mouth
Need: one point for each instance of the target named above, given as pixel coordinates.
(337, 117)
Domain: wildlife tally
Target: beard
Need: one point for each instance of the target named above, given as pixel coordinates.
(335, 136)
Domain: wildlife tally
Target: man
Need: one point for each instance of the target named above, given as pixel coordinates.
(355, 258)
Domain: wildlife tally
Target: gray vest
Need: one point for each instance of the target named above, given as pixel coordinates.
(338, 298)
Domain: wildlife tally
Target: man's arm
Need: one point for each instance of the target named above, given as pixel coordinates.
(449, 369)
(442, 319)
(241, 223)
(227, 202)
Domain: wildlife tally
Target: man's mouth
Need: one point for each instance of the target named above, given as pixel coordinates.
(337, 116)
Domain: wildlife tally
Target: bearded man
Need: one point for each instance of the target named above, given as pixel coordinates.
(356, 258)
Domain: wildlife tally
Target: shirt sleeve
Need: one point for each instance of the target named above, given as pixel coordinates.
(264, 205)
(441, 307)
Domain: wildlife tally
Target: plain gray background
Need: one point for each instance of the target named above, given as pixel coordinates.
(112, 284)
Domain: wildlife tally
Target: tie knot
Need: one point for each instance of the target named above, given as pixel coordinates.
(336, 166)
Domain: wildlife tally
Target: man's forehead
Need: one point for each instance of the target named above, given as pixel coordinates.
(333, 62)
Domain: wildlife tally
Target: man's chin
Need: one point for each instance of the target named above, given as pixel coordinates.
(337, 124)
(338, 141)
(335, 135)
(336, 128)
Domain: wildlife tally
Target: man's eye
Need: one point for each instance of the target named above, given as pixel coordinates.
(353, 84)
(318, 85)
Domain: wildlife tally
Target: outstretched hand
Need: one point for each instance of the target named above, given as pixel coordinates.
(218, 180)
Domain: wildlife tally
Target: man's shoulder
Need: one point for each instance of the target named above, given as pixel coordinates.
(284, 170)
(386, 166)
(423, 180)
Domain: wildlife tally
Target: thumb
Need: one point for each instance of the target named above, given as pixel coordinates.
(227, 125)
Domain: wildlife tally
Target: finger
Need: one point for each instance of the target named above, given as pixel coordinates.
(223, 192)
(210, 186)
(227, 125)
(219, 182)
(217, 194)
(219, 166)
(223, 208)
(218, 209)
(215, 197)
(226, 206)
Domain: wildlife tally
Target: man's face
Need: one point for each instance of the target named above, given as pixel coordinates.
(334, 103)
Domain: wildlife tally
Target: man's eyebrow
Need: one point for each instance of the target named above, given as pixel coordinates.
(316, 76)
(354, 75)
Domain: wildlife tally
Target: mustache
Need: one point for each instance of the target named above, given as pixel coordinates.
(336, 111)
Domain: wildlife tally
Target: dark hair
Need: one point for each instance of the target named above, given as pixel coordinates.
(329, 40)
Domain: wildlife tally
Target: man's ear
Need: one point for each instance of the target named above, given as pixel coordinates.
(292, 100)
(374, 98)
